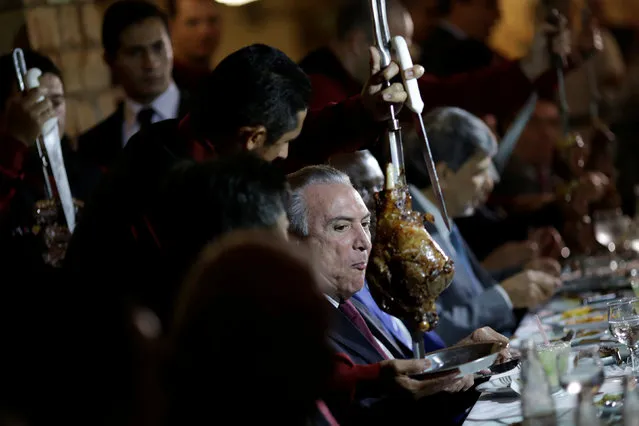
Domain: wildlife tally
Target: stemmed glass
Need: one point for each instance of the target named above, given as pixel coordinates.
(623, 321)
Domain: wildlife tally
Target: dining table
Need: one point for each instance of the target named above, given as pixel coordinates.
(500, 402)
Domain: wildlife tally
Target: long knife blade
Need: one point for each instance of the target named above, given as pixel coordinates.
(54, 151)
(432, 174)
(511, 137)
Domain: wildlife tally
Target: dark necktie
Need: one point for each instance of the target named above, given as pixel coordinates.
(356, 318)
(144, 118)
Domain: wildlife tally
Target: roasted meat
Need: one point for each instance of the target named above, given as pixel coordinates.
(408, 270)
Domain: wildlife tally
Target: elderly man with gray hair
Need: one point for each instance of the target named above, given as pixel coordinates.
(329, 216)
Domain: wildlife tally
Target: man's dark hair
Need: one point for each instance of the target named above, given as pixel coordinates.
(207, 200)
(257, 85)
(120, 16)
(8, 78)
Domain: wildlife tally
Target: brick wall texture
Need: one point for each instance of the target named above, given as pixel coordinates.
(68, 31)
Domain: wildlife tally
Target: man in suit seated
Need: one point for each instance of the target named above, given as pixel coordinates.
(463, 146)
(241, 192)
(367, 177)
(328, 215)
(137, 49)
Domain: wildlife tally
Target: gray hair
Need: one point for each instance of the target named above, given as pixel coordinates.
(296, 208)
(455, 136)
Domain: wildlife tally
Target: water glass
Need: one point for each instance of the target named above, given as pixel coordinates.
(548, 354)
(623, 322)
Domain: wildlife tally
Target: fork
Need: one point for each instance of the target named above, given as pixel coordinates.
(505, 381)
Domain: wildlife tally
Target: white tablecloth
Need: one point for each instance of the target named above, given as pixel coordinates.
(495, 410)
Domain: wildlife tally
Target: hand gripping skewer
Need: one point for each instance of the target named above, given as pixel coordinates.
(384, 43)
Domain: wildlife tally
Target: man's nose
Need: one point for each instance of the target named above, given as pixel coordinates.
(283, 154)
(362, 240)
(151, 60)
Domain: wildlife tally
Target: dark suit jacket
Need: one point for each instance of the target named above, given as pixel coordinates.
(381, 409)
(102, 144)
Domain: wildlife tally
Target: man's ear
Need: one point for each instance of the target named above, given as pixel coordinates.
(252, 137)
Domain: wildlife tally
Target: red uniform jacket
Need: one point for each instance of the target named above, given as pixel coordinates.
(499, 90)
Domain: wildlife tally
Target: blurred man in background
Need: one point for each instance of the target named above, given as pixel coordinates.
(195, 31)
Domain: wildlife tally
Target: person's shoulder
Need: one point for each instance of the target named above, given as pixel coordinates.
(112, 120)
(157, 135)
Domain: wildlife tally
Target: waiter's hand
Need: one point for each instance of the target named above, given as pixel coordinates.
(26, 115)
(538, 59)
(375, 98)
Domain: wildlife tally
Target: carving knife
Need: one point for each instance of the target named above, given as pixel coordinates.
(416, 104)
(51, 141)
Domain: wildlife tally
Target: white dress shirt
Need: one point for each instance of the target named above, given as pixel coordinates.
(165, 107)
(388, 353)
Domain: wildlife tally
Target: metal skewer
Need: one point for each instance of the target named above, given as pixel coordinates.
(384, 43)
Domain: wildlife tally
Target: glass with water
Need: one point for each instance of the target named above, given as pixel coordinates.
(623, 321)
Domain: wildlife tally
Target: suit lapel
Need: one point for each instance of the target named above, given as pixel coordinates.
(113, 138)
(346, 335)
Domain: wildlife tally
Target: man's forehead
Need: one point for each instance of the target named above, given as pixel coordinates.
(190, 7)
(333, 200)
(148, 31)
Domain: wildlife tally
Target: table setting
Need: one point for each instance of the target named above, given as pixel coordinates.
(594, 317)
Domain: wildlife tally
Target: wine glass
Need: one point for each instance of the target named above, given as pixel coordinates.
(581, 370)
(623, 321)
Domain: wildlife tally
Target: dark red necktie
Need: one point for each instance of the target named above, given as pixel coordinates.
(356, 318)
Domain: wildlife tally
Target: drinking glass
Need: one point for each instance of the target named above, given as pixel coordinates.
(548, 354)
(581, 370)
(623, 321)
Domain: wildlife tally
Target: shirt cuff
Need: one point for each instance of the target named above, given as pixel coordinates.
(503, 293)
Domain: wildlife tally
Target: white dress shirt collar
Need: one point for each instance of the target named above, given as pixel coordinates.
(165, 107)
